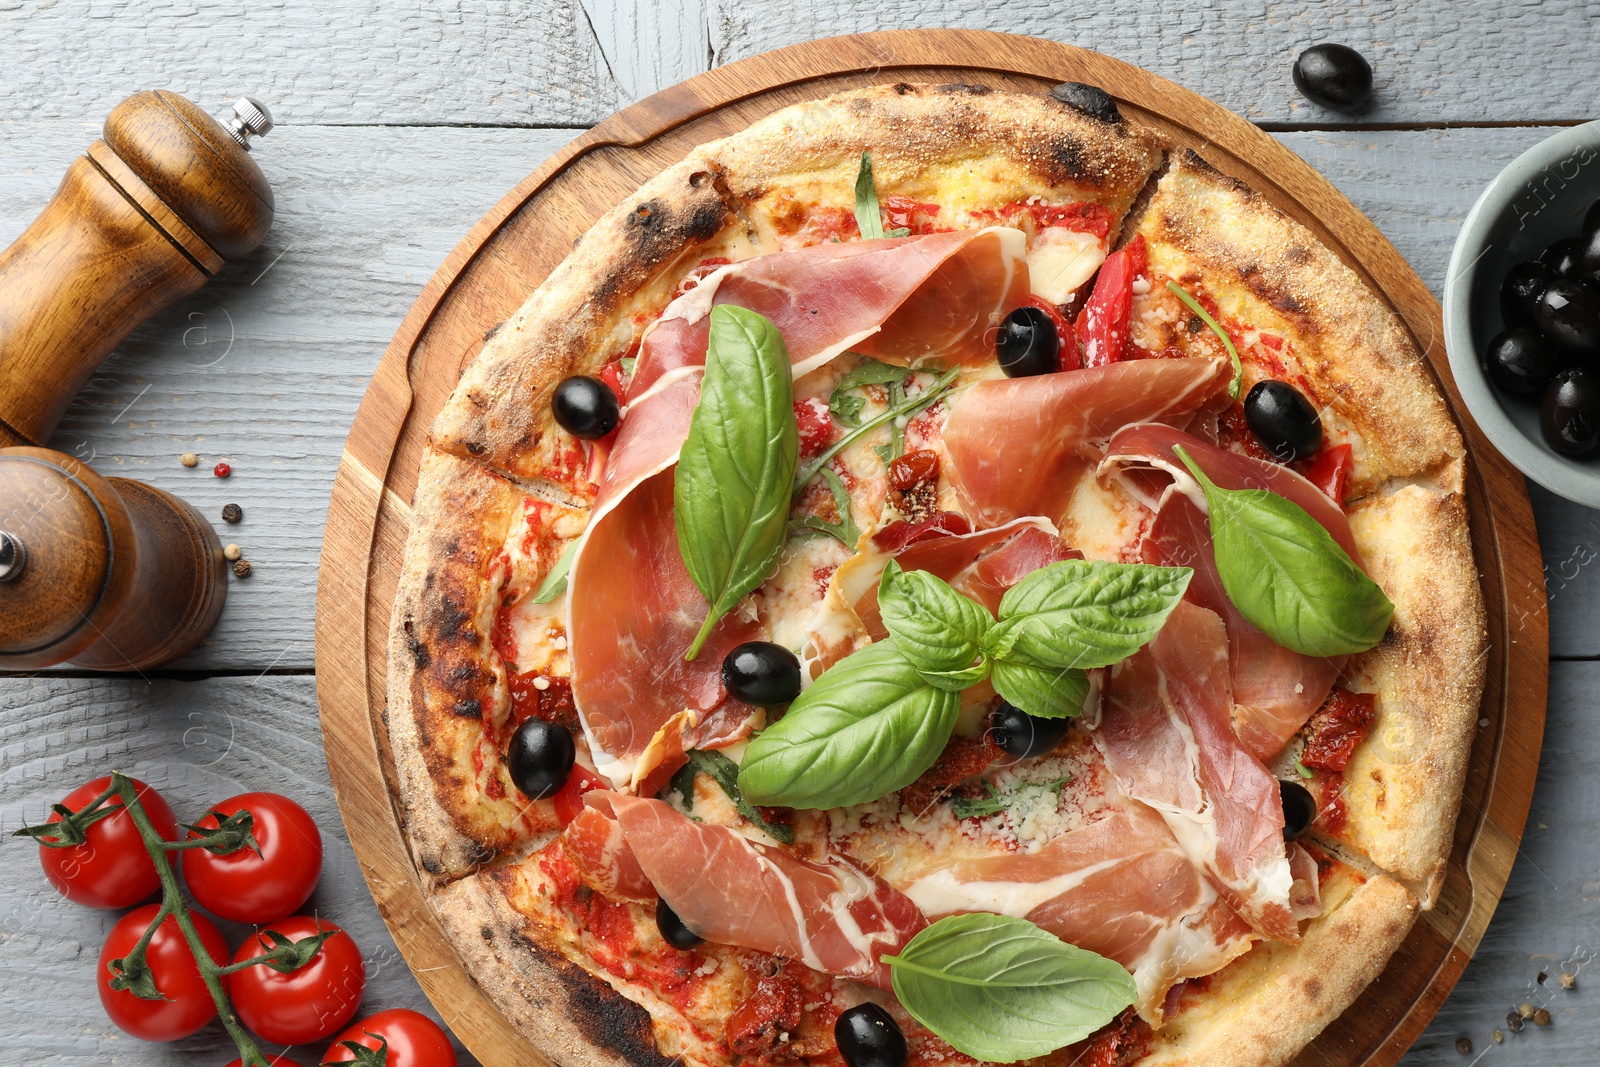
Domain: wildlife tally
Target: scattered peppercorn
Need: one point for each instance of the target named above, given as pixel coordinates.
(1525, 1010)
(241, 568)
(222, 470)
(1541, 977)
(232, 513)
(1541, 1017)
(189, 459)
(1569, 980)
(232, 552)
(1513, 1021)
(1499, 1036)
(1464, 1045)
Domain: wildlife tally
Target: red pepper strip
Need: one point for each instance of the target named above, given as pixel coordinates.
(1067, 355)
(569, 800)
(1330, 471)
(1103, 327)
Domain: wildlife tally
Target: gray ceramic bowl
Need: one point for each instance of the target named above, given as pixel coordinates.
(1540, 197)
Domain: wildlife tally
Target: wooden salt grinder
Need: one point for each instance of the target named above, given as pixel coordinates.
(146, 217)
(108, 573)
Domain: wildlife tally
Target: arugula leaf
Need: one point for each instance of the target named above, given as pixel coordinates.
(908, 407)
(935, 627)
(1287, 575)
(846, 406)
(735, 474)
(722, 770)
(868, 215)
(1085, 613)
(995, 801)
(1227, 342)
(1000, 989)
(1045, 692)
(869, 726)
(555, 583)
(845, 530)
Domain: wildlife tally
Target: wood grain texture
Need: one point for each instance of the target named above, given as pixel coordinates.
(531, 229)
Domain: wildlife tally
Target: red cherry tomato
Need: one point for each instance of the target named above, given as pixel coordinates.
(188, 1006)
(1330, 471)
(305, 1005)
(249, 888)
(414, 1040)
(1103, 326)
(111, 869)
(569, 800)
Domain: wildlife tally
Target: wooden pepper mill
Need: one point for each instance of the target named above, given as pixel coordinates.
(107, 573)
(146, 217)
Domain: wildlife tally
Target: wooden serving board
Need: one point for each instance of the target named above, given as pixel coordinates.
(510, 251)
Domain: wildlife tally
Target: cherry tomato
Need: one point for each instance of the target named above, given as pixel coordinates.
(1103, 326)
(1330, 471)
(188, 1006)
(249, 888)
(414, 1040)
(305, 1005)
(111, 869)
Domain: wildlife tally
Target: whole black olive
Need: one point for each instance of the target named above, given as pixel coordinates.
(1283, 420)
(1089, 99)
(868, 1036)
(585, 407)
(1520, 361)
(1591, 219)
(1023, 735)
(1569, 415)
(1520, 291)
(1562, 257)
(762, 673)
(1299, 809)
(673, 931)
(1568, 313)
(1027, 343)
(1334, 75)
(1589, 257)
(540, 758)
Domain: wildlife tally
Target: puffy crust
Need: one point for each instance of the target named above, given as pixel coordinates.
(1403, 787)
(1267, 1005)
(1350, 351)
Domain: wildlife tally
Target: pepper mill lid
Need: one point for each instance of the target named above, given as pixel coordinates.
(61, 535)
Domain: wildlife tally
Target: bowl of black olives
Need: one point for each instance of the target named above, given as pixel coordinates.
(1522, 313)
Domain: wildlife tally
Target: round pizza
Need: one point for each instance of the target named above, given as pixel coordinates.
(940, 576)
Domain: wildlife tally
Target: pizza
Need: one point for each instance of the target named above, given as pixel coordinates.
(940, 576)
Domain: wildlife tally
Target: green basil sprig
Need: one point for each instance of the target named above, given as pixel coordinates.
(846, 405)
(869, 726)
(1227, 342)
(1000, 989)
(735, 474)
(867, 213)
(555, 583)
(936, 628)
(907, 406)
(1287, 574)
(845, 531)
(722, 770)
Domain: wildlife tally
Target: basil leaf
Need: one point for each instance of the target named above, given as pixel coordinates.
(869, 726)
(994, 801)
(1287, 575)
(555, 583)
(1045, 692)
(868, 217)
(935, 627)
(1227, 342)
(722, 770)
(1000, 989)
(735, 474)
(1085, 613)
(846, 407)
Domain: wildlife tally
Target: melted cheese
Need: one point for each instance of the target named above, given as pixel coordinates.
(1060, 260)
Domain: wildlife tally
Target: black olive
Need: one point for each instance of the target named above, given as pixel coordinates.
(1568, 313)
(673, 932)
(1520, 361)
(1023, 735)
(868, 1036)
(585, 407)
(1562, 257)
(1589, 256)
(1569, 415)
(1520, 292)
(1591, 219)
(1299, 809)
(762, 673)
(540, 758)
(1027, 343)
(1089, 99)
(1334, 75)
(1283, 420)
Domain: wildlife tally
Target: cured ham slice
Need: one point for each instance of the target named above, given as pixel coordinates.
(633, 611)
(900, 300)
(1017, 446)
(1121, 886)
(1165, 733)
(605, 863)
(830, 915)
(1275, 690)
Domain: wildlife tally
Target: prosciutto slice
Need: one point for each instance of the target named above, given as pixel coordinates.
(830, 915)
(1165, 733)
(1017, 446)
(1275, 690)
(605, 863)
(633, 610)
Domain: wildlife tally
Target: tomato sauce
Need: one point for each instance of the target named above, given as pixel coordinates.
(761, 1025)
(816, 427)
(962, 758)
(1337, 728)
(1083, 217)
(1125, 1041)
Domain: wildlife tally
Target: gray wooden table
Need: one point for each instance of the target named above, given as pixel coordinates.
(397, 128)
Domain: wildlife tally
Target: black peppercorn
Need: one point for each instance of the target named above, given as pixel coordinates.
(232, 513)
